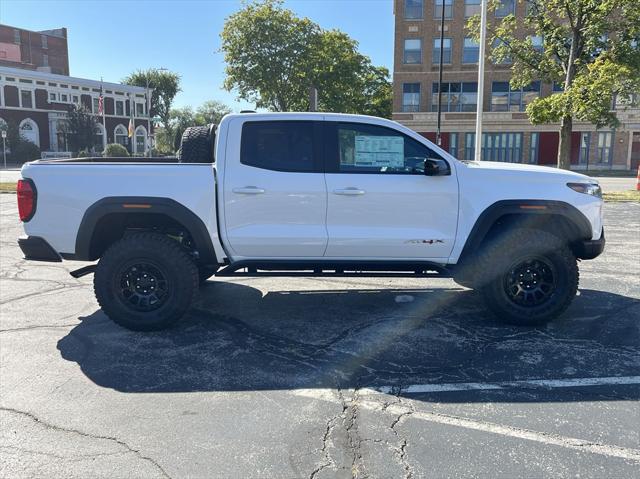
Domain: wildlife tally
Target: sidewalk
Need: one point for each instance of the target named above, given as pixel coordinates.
(10, 175)
(616, 183)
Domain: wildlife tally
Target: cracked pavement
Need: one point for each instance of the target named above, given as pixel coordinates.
(315, 378)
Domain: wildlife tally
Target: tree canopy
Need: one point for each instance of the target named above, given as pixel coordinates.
(589, 48)
(210, 111)
(273, 58)
(80, 128)
(165, 85)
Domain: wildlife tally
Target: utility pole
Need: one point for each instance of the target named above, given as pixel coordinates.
(438, 138)
(313, 98)
(483, 41)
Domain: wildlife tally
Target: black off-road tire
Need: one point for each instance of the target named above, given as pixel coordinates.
(502, 264)
(196, 145)
(465, 276)
(172, 269)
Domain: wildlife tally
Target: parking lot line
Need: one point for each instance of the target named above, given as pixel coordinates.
(519, 433)
(529, 383)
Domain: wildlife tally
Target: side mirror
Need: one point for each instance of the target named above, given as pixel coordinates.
(436, 167)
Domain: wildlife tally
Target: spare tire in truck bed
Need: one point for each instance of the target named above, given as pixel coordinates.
(196, 145)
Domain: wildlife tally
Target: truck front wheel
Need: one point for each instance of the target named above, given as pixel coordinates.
(528, 277)
(145, 282)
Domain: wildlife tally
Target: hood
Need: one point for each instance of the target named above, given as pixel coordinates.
(516, 168)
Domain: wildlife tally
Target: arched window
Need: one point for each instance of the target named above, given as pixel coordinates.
(99, 132)
(120, 135)
(29, 131)
(141, 139)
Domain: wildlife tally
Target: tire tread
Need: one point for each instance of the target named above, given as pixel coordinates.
(171, 251)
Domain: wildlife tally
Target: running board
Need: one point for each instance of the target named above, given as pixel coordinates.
(381, 269)
(79, 273)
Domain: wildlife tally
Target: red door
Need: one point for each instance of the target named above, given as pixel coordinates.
(431, 136)
(548, 148)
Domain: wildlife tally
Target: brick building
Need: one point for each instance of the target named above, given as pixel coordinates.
(508, 135)
(44, 51)
(38, 102)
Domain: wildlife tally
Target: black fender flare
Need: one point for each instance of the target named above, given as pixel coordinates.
(148, 205)
(580, 227)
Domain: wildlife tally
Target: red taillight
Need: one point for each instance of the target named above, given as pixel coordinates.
(26, 199)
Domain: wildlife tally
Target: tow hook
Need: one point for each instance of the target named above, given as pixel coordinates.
(79, 273)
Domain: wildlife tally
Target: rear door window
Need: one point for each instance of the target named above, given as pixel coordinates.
(281, 145)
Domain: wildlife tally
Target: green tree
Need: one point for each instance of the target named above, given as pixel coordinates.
(165, 85)
(211, 111)
(590, 48)
(181, 119)
(273, 57)
(80, 128)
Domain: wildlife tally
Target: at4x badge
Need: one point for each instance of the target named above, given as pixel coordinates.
(424, 241)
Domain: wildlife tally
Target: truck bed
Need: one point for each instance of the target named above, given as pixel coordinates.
(67, 188)
(112, 159)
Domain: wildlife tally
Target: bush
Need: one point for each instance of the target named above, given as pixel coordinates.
(158, 152)
(84, 154)
(115, 149)
(25, 151)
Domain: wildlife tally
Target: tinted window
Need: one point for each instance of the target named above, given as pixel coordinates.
(278, 145)
(375, 149)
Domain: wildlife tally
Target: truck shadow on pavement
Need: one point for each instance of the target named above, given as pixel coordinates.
(236, 339)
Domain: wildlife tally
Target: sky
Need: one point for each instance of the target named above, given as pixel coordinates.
(111, 38)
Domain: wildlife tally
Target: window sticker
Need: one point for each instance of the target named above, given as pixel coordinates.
(379, 151)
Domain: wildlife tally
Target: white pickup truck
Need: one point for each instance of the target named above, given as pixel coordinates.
(310, 194)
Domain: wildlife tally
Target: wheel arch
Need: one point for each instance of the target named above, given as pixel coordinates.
(556, 217)
(106, 221)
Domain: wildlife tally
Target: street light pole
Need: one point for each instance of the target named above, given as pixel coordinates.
(147, 101)
(438, 139)
(483, 40)
(4, 148)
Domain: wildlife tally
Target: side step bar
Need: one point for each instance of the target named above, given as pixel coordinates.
(79, 273)
(379, 269)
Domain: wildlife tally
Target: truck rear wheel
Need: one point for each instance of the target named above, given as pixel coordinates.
(527, 277)
(196, 145)
(145, 282)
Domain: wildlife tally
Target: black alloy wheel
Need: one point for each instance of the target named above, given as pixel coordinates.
(530, 282)
(143, 286)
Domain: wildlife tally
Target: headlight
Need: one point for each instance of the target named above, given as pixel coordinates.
(592, 189)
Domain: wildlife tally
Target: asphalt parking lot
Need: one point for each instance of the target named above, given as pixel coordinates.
(319, 378)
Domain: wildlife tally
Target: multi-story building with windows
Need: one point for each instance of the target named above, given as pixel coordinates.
(45, 51)
(508, 135)
(38, 103)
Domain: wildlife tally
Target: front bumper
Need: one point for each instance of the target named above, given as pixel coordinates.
(35, 248)
(590, 249)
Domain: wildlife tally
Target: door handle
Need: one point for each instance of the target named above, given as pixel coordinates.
(248, 190)
(351, 191)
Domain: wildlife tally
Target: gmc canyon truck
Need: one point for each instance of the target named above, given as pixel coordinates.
(310, 194)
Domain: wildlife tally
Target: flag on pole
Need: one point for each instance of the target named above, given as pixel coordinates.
(130, 127)
(101, 103)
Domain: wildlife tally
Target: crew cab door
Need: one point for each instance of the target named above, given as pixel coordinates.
(275, 197)
(380, 203)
